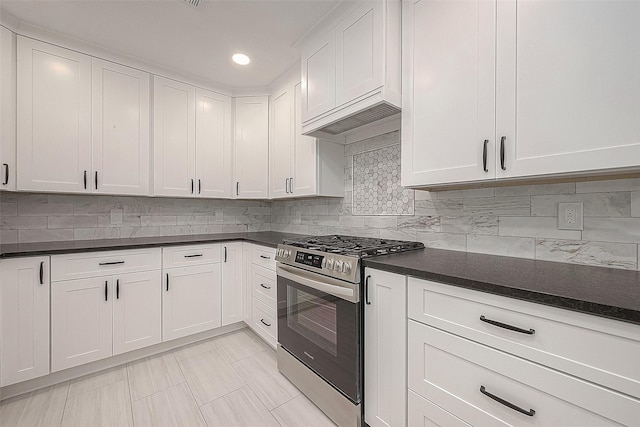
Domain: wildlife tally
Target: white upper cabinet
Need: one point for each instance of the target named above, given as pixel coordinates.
(54, 118)
(214, 148)
(351, 72)
(300, 165)
(550, 100)
(359, 52)
(120, 129)
(174, 138)
(568, 92)
(7, 109)
(319, 77)
(252, 147)
(448, 120)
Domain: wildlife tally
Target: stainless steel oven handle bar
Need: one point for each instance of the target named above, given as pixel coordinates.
(341, 289)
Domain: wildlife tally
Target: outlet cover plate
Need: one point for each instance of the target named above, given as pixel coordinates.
(570, 216)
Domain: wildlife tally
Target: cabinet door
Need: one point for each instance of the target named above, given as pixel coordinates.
(120, 129)
(359, 48)
(448, 91)
(247, 315)
(137, 312)
(252, 147)
(385, 361)
(81, 315)
(305, 154)
(24, 319)
(281, 143)
(54, 118)
(568, 95)
(190, 300)
(174, 138)
(232, 268)
(319, 77)
(7, 109)
(214, 150)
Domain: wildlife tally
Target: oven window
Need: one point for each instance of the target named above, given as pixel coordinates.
(313, 317)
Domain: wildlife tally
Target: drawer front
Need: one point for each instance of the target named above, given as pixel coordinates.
(452, 372)
(94, 264)
(265, 322)
(264, 285)
(263, 256)
(422, 413)
(601, 350)
(183, 256)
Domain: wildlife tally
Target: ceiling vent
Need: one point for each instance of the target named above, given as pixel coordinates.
(362, 118)
(194, 3)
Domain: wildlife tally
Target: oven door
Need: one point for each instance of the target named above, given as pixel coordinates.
(320, 327)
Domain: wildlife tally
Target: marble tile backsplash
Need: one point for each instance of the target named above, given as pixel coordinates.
(516, 221)
(28, 217)
(520, 221)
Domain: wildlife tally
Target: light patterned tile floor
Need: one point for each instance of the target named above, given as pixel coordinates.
(222, 382)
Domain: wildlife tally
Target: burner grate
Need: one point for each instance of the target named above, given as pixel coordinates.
(360, 247)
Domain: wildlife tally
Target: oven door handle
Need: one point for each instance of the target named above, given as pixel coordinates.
(349, 293)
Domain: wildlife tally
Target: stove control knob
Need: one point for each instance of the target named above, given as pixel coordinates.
(280, 252)
(346, 267)
(337, 266)
(287, 253)
(330, 263)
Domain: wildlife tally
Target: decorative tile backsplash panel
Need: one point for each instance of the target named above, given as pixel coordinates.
(376, 184)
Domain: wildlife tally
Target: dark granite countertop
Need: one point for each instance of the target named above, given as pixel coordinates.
(605, 292)
(267, 238)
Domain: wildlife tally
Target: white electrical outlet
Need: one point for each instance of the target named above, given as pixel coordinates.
(570, 216)
(116, 216)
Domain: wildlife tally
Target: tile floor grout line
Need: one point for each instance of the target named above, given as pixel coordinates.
(126, 368)
(193, 396)
(64, 408)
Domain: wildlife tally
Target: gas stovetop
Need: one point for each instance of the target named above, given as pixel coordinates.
(359, 247)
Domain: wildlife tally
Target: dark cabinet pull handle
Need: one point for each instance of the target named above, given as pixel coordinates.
(290, 185)
(237, 188)
(85, 180)
(265, 257)
(192, 185)
(264, 286)
(199, 187)
(106, 290)
(167, 282)
(265, 323)
(225, 254)
(506, 326)
(111, 263)
(42, 273)
(193, 256)
(118, 289)
(6, 174)
(484, 155)
(96, 180)
(286, 185)
(529, 413)
(366, 290)
(502, 153)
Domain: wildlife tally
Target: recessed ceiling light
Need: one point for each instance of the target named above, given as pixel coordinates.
(241, 58)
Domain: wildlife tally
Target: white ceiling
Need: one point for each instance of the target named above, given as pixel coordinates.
(196, 41)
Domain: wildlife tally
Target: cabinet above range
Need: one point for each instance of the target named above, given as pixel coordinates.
(351, 69)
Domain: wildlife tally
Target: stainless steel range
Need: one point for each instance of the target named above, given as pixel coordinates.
(320, 318)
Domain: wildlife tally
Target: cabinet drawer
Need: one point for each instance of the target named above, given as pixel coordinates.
(450, 371)
(264, 285)
(263, 256)
(423, 413)
(264, 322)
(93, 264)
(182, 256)
(600, 350)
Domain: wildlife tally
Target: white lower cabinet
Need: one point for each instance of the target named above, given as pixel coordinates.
(232, 275)
(81, 321)
(24, 319)
(423, 413)
(385, 326)
(191, 300)
(137, 310)
(265, 322)
(261, 292)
